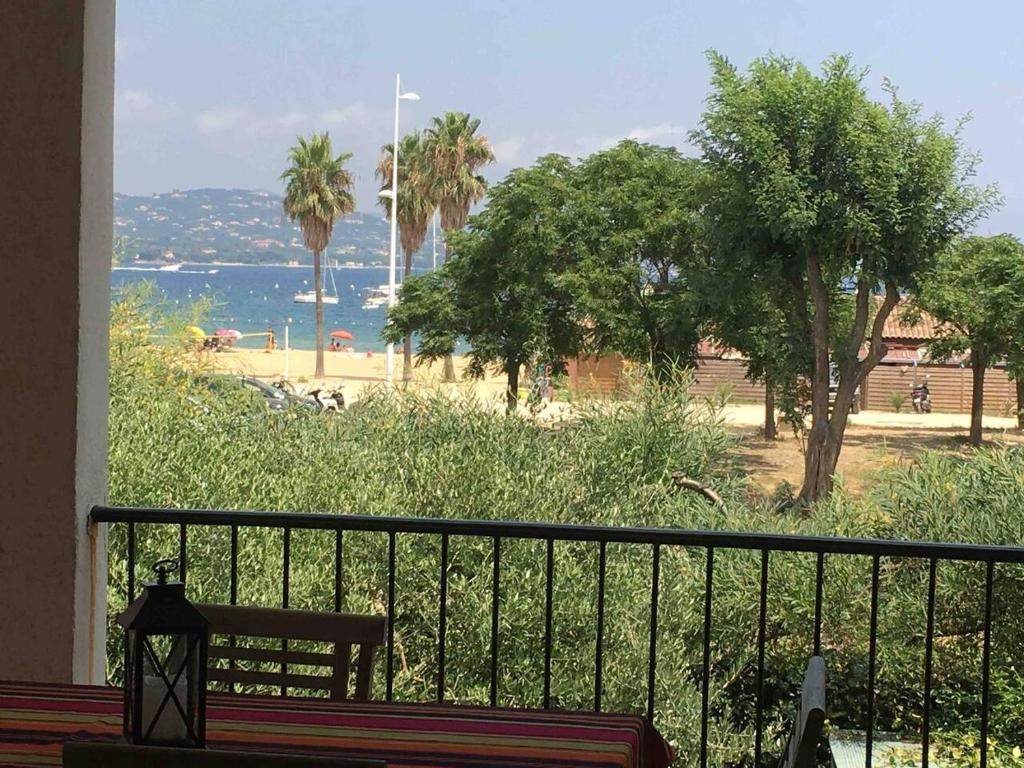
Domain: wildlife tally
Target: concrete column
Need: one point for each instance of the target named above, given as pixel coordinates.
(56, 217)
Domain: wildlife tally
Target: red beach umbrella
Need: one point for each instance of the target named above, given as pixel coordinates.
(341, 333)
(228, 333)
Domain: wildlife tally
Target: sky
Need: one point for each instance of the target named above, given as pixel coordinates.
(212, 94)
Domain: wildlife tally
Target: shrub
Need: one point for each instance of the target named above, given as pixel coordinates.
(174, 444)
(897, 400)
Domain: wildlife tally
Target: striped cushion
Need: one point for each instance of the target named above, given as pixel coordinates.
(35, 720)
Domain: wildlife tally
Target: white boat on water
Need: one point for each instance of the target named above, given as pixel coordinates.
(309, 297)
(374, 298)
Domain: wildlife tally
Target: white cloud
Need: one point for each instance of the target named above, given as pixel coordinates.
(662, 133)
(507, 151)
(246, 121)
(353, 113)
(133, 105)
(662, 130)
(136, 100)
(218, 120)
(290, 119)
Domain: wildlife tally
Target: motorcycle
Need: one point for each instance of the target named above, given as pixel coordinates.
(329, 400)
(921, 399)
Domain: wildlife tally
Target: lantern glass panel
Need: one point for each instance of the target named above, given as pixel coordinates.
(169, 678)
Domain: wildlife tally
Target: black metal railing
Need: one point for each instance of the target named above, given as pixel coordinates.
(655, 538)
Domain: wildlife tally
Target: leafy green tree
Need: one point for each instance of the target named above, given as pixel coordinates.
(318, 192)
(976, 288)
(818, 184)
(455, 155)
(505, 288)
(415, 207)
(755, 325)
(640, 204)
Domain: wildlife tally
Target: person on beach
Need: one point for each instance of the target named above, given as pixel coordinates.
(271, 341)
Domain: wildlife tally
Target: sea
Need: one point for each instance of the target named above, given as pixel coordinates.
(250, 299)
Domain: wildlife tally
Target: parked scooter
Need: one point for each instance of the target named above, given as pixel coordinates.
(329, 400)
(921, 399)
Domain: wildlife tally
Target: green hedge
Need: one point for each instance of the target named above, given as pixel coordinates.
(174, 444)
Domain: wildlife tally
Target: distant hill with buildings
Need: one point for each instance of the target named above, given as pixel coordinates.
(237, 225)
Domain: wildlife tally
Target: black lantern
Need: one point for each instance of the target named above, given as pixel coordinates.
(165, 651)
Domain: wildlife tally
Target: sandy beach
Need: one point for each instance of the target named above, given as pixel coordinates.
(353, 371)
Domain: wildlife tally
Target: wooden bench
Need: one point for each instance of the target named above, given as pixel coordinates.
(342, 631)
(81, 754)
(801, 750)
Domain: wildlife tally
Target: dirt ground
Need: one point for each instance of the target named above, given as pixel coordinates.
(873, 439)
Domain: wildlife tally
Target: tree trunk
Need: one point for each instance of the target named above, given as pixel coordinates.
(512, 393)
(449, 364)
(318, 287)
(978, 364)
(1019, 383)
(821, 456)
(407, 342)
(769, 411)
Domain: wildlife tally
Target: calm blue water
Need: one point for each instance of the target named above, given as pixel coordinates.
(251, 298)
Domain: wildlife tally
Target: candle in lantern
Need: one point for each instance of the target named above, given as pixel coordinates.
(169, 726)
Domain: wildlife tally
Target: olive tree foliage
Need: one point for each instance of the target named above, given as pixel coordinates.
(819, 190)
(641, 234)
(505, 287)
(976, 288)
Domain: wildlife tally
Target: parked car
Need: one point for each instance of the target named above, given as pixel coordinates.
(276, 399)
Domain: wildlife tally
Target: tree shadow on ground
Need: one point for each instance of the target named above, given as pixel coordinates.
(865, 451)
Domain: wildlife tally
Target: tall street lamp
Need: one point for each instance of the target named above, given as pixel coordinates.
(389, 371)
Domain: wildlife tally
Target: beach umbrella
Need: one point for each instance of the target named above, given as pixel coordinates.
(227, 333)
(341, 333)
(196, 332)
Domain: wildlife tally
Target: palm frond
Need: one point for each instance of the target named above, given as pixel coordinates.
(416, 202)
(455, 155)
(318, 189)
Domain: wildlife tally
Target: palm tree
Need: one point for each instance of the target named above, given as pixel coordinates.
(415, 207)
(455, 155)
(318, 192)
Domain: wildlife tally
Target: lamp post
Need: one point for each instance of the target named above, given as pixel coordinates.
(389, 371)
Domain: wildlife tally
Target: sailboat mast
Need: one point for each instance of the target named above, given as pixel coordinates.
(331, 272)
(433, 223)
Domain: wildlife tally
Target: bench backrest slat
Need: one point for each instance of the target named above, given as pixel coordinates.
(341, 630)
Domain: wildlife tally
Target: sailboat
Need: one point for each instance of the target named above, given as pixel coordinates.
(309, 297)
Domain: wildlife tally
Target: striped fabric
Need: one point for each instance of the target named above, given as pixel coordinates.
(35, 720)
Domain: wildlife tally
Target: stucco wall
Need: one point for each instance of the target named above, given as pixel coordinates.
(56, 64)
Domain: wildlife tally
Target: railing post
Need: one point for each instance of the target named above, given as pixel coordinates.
(495, 605)
(652, 651)
(599, 650)
(548, 596)
(872, 659)
(762, 619)
(442, 617)
(709, 578)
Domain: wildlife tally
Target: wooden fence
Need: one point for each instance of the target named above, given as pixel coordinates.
(950, 385)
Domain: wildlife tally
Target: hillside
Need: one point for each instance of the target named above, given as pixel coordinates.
(237, 225)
